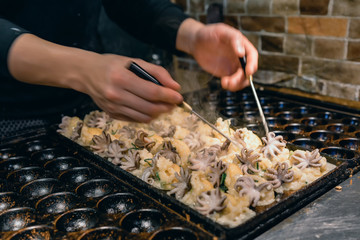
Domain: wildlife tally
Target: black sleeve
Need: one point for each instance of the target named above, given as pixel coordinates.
(8, 33)
(152, 21)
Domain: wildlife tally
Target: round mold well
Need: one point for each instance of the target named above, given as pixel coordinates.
(303, 110)
(329, 115)
(143, 220)
(336, 127)
(46, 155)
(224, 94)
(250, 116)
(268, 110)
(313, 121)
(308, 143)
(61, 164)
(324, 135)
(230, 111)
(36, 145)
(248, 105)
(6, 153)
(75, 220)
(9, 200)
(340, 153)
(283, 105)
(351, 121)
(288, 115)
(14, 163)
(95, 188)
(38, 232)
(244, 96)
(16, 218)
(102, 233)
(174, 233)
(288, 136)
(40, 187)
(25, 175)
(229, 101)
(57, 203)
(297, 128)
(118, 203)
(75, 176)
(275, 121)
(350, 143)
(265, 100)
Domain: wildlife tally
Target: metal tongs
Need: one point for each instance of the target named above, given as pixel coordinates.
(243, 65)
(140, 72)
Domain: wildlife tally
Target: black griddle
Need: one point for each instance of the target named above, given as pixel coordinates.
(52, 188)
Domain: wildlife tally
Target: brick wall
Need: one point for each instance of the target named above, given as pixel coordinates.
(310, 45)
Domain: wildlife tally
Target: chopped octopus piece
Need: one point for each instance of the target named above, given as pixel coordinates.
(225, 145)
(215, 173)
(65, 121)
(183, 185)
(203, 159)
(249, 161)
(129, 132)
(239, 137)
(304, 159)
(245, 185)
(210, 202)
(131, 161)
(273, 145)
(169, 152)
(142, 141)
(168, 132)
(100, 143)
(279, 174)
(98, 119)
(156, 126)
(150, 173)
(191, 122)
(160, 129)
(116, 151)
(193, 141)
(77, 131)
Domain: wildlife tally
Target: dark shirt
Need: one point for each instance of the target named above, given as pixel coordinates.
(74, 23)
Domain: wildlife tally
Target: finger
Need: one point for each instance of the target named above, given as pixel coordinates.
(238, 44)
(150, 91)
(160, 74)
(121, 117)
(236, 81)
(153, 109)
(251, 57)
(131, 114)
(101, 103)
(225, 82)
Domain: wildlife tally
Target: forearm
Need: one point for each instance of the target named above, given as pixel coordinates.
(36, 61)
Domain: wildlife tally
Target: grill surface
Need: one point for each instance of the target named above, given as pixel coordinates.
(51, 188)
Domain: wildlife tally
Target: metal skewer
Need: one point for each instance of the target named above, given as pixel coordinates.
(262, 116)
(140, 72)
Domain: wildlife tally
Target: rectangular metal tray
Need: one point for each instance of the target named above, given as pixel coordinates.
(251, 228)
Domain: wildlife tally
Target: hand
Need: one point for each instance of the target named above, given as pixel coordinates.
(113, 87)
(123, 95)
(217, 48)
